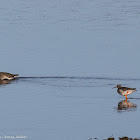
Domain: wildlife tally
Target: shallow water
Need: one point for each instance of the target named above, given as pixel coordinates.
(68, 108)
(70, 38)
(69, 55)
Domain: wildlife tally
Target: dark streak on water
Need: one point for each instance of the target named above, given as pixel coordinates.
(85, 78)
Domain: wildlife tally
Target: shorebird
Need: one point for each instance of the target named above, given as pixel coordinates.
(7, 76)
(124, 91)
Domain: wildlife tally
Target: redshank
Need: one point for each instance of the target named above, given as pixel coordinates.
(124, 91)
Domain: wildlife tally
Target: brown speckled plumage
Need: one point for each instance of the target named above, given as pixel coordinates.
(7, 76)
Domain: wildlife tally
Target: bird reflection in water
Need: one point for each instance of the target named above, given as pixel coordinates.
(3, 82)
(126, 105)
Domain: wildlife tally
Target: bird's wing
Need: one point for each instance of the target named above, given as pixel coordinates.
(126, 88)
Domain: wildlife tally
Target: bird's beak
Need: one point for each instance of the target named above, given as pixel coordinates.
(114, 87)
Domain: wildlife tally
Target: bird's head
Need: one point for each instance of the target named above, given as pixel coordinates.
(118, 86)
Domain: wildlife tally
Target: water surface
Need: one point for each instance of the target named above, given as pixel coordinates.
(68, 108)
(69, 55)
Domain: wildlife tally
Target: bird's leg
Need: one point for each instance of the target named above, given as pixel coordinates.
(126, 96)
(126, 100)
